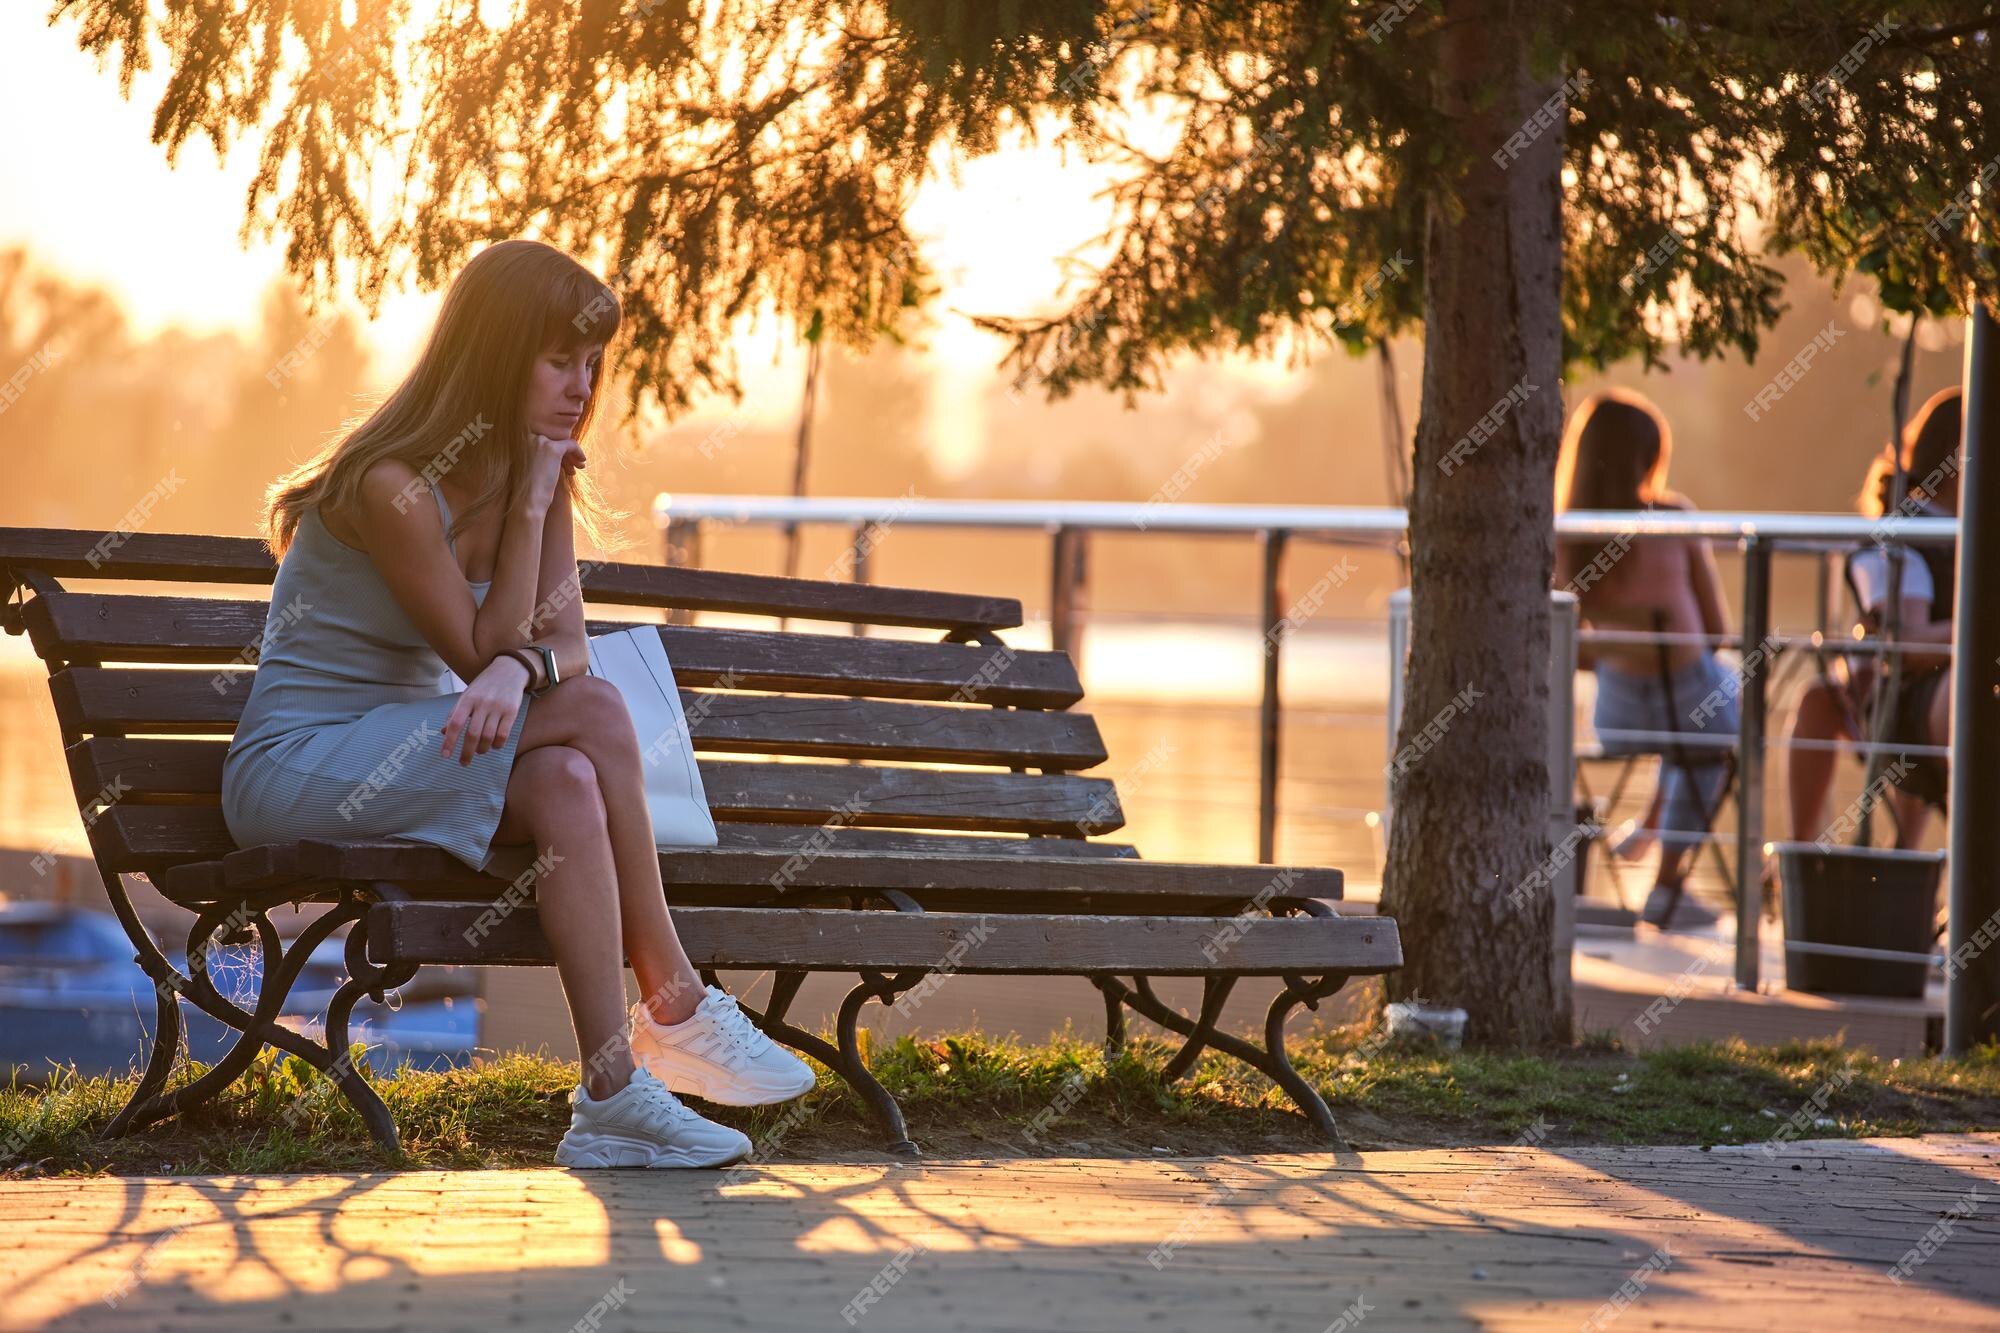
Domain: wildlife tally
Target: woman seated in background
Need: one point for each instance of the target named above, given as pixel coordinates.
(1614, 456)
(1920, 712)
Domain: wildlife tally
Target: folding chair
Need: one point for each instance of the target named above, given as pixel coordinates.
(1681, 755)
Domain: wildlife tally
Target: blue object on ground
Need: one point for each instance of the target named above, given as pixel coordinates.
(70, 994)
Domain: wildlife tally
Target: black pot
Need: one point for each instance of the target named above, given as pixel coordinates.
(1863, 897)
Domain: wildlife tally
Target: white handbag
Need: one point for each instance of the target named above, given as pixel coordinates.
(636, 662)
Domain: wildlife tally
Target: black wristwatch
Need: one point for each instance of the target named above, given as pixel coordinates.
(551, 676)
(527, 662)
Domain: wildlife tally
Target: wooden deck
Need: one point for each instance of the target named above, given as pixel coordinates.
(1651, 988)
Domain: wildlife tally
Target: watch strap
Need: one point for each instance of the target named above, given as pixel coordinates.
(526, 661)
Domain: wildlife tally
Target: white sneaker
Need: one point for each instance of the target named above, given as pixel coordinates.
(719, 1055)
(642, 1124)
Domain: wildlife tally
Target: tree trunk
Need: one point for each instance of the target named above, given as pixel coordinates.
(1467, 876)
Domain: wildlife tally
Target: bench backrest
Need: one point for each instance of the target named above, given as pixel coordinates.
(957, 743)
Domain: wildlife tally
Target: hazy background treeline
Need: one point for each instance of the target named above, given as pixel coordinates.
(105, 416)
(109, 415)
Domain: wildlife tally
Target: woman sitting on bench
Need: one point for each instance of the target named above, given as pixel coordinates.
(374, 598)
(1614, 456)
(1920, 712)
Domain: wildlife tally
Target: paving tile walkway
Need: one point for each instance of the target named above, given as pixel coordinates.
(1638, 1238)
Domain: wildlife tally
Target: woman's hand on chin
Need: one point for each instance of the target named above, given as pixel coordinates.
(554, 458)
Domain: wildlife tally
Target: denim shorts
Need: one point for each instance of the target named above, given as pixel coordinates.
(1704, 702)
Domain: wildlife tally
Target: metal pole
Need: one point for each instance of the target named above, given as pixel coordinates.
(683, 552)
(1823, 592)
(1062, 589)
(1067, 577)
(1270, 612)
(684, 543)
(862, 547)
(1972, 969)
(1750, 762)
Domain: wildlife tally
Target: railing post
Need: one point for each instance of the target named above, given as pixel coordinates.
(1972, 964)
(1750, 763)
(863, 549)
(1823, 590)
(684, 543)
(1068, 572)
(1270, 612)
(683, 551)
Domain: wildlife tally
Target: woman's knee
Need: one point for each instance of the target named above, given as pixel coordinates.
(1819, 712)
(591, 702)
(603, 721)
(558, 786)
(1939, 713)
(581, 712)
(1689, 795)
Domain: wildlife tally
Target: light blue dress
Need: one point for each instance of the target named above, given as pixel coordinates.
(342, 735)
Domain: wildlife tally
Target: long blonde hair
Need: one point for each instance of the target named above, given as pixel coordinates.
(1614, 453)
(463, 400)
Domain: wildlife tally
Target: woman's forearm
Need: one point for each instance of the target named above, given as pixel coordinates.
(1927, 640)
(572, 655)
(1708, 592)
(510, 601)
(572, 660)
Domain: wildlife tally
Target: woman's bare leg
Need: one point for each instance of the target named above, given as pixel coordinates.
(1644, 830)
(1809, 773)
(587, 713)
(1912, 815)
(1913, 812)
(1940, 713)
(553, 801)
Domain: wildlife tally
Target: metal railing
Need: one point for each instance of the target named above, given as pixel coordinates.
(1069, 524)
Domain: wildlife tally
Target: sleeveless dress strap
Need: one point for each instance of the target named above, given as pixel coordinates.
(444, 513)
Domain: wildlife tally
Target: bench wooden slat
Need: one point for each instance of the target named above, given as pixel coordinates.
(877, 795)
(150, 839)
(767, 875)
(793, 837)
(201, 881)
(884, 668)
(108, 627)
(630, 584)
(836, 940)
(111, 701)
(195, 558)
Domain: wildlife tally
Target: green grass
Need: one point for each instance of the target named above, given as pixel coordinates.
(971, 1095)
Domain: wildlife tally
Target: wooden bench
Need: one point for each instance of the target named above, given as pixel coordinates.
(932, 815)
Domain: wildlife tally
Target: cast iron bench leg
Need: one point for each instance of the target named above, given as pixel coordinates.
(845, 1058)
(152, 1107)
(260, 1027)
(1214, 993)
(167, 985)
(1114, 1014)
(1270, 1059)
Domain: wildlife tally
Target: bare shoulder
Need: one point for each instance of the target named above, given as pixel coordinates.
(389, 485)
(1680, 504)
(386, 497)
